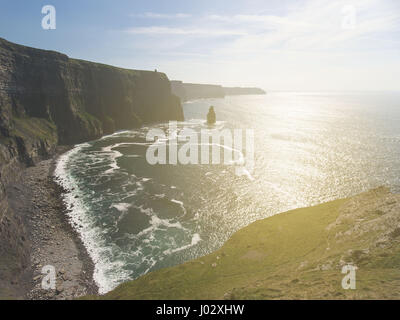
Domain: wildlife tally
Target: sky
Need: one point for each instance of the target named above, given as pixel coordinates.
(302, 45)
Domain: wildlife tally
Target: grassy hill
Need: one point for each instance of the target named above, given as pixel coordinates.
(293, 255)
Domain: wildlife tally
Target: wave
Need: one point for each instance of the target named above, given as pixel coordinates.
(195, 240)
(130, 223)
(84, 166)
(89, 233)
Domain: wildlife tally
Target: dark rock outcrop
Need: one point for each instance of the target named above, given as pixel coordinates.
(47, 99)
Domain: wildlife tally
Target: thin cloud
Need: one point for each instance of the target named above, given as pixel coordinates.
(316, 26)
(303, 46)
(154, 15)
(263, 20)
(156, 30)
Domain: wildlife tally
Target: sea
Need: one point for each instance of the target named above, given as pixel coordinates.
(135, 216)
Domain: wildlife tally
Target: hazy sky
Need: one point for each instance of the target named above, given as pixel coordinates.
(276, 45)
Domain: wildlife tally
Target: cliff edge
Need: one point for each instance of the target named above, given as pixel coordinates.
(48, 99)
(193, 91)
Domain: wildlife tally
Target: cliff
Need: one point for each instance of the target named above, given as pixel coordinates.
(232, 91)
(192, 91)
(47, 99)
(298, 254)
(178, 89)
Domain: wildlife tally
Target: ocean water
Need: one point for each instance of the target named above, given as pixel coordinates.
(308, 148)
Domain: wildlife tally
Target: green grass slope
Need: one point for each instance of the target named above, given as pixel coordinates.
(293, 255)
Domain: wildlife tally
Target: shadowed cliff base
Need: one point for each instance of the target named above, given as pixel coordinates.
(49, 239)
(298, 254)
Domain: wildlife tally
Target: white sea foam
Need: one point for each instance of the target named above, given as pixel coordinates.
(180, 204)
(129, 133)
(89, 233)
(110, 259)
(123, 207)
(195, 240)
(156, 223)
(114, 154)
(239, 160)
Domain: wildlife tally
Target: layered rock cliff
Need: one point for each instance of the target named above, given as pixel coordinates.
(192, 91)
(233, 91)
(48, 99)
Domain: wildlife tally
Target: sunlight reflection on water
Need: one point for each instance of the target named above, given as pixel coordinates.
(309, 148)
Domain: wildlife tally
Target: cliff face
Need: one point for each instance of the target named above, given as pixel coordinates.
(233, 91)
(179, 90)
(199, 91)
(191, 91)
(48, 99)
(83, 99)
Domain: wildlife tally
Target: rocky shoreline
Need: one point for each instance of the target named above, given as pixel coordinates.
(53, 241)
(48, 99)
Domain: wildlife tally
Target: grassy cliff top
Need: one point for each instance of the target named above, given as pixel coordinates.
(298, 254)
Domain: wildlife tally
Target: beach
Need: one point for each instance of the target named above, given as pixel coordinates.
(52, 241)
